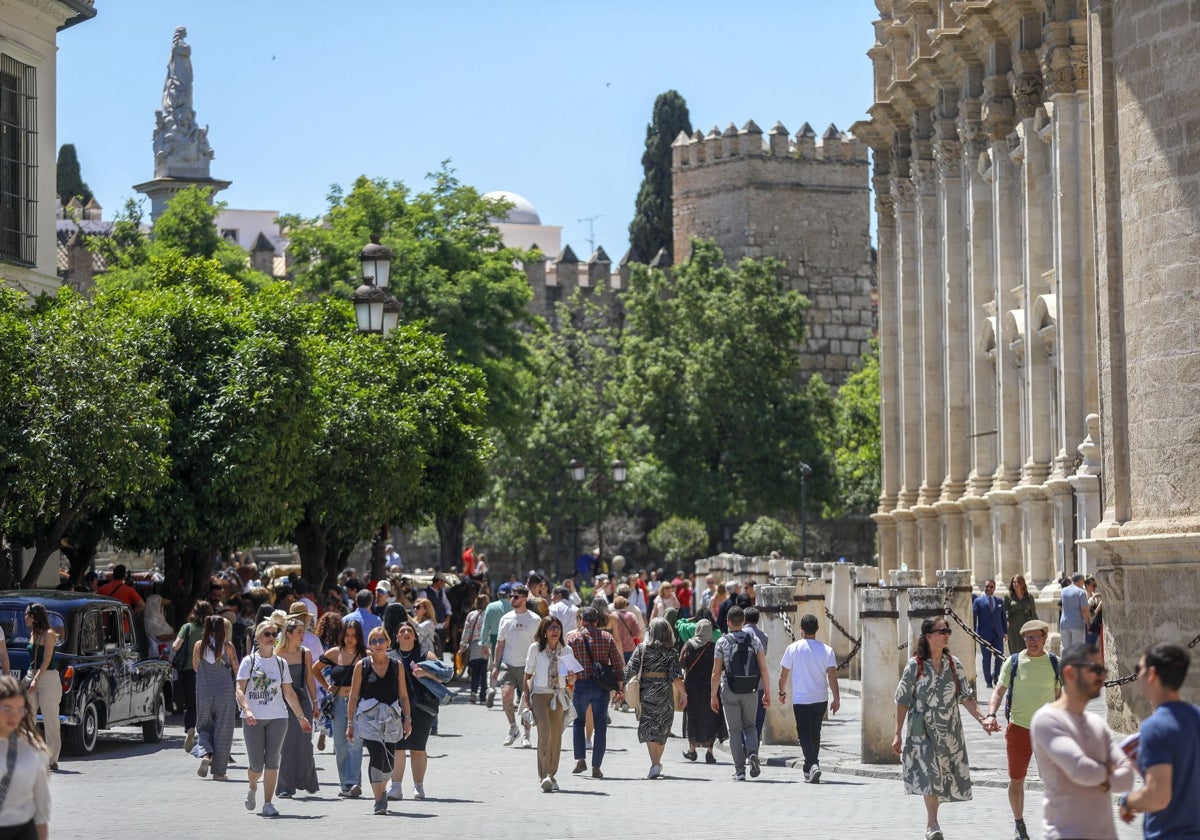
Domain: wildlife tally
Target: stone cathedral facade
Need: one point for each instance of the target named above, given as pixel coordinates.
(1037, 183)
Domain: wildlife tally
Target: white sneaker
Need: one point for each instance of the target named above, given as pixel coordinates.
(814, 775)
(526, 744)
(807, 776)
(250, 799)
(553, 783)
(655, 771)
(418, 790)
(395, 792)
(491, 698)
(547, 784)
(268, 810)
(512, 736)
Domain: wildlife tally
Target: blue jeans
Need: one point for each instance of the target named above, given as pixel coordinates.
(587, 693)
(347, 754)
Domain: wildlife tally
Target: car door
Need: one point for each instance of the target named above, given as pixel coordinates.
(141, 671)
(120, 657)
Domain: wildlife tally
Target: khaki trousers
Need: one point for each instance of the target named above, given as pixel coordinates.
(550, 728)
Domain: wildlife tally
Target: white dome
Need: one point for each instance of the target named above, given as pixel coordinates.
(521, 212)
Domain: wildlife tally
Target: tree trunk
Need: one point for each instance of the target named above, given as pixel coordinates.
(310, 539)
(80, 555)
(450, 533)
(10, 562)
(186, 573)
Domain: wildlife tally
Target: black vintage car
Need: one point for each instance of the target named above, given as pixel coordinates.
(105, 681)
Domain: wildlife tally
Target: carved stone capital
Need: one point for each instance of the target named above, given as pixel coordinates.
(997, 110)
(924, 176)
(1079, 66)
(903, 193)
(1027, 94)
(971, 131)
(948, 153)
(885, 209)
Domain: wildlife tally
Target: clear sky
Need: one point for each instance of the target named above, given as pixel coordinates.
(546, 98)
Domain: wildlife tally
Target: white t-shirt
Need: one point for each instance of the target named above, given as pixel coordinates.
(565, 612)
(537, 662)
(264, 687)
(517, 631)
(809, 661)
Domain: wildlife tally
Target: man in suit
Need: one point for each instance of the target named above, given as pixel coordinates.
(991, 624)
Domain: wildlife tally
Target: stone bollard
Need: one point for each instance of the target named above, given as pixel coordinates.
(958, 581)
(880, 673)
(796, 569)
(841, 595)
(902, 580)
(774, 602)
(703, 567)
(863, 576)
(810, 598)
(779, 567)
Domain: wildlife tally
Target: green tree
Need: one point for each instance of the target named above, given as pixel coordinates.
(83, 426)
(855, 448)
(679, 540)
(764, 535)
(70, 180)
(454, 277)
(710, 367)
(652, 225)
(234, 371)
(397, 399)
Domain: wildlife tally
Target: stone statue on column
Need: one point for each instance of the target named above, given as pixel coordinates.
(181, 148)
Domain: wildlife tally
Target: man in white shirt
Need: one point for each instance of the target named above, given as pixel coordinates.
(517, 630)
(812, 669)
(562, 608)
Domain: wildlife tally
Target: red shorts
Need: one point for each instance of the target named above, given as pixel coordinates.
(1020, 750)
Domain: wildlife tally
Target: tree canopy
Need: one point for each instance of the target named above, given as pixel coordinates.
(652, 225)
(70, 182)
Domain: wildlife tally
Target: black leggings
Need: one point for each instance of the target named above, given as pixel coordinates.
(381, 759)
(28, 831)
(187, 679)
(479, 680)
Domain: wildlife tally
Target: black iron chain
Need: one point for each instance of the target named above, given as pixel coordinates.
(857, 643)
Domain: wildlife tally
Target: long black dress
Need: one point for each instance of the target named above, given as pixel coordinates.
(703, 724)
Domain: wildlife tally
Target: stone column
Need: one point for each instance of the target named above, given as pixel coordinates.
(933, 342)
(1086, 484)
(907, 539)
(902, 582)
(908, 290)
(809, 597)
(958, 583)
(880, 673)
(930, 530)
(841, 597)
(863, 577)
(891, 403)
(1036, 545)
(774, 602)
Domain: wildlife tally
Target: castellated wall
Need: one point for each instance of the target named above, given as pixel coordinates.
(803, 201)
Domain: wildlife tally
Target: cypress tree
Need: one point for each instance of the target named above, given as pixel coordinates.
(70, 181)
(651, 228)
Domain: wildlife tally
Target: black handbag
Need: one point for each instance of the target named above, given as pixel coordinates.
(602, 673)
(184, 655)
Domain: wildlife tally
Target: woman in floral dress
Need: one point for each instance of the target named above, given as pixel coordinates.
(934, 753)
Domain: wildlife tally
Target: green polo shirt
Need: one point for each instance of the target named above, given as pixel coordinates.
(1036, 686)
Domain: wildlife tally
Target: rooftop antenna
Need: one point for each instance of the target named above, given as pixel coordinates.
(591, 223)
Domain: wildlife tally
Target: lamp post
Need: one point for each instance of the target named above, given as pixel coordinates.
(805, 472)
(375, 310)
(600, 482)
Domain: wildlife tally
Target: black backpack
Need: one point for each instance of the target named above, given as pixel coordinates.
(1013, 660)
(742, 667)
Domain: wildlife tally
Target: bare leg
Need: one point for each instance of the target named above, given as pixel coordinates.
(931, 812)
(656, 751)
(420, 762)
(398, 767)
(589, 726)
(269, 779)
(1016, 797)
(510, 711)
(253, 777)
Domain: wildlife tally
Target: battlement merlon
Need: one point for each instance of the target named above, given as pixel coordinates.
(719, 146)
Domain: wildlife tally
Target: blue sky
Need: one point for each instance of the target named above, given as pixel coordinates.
(546, 99)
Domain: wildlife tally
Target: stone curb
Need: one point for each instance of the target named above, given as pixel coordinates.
(884, 773)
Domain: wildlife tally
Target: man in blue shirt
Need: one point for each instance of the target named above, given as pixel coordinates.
(363, 614)
(1168, 750)
(991, 623)
(1075, 613)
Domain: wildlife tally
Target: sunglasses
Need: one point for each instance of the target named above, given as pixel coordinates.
(1095, 667)
(518, 595)
(377, 642)
(945, 631)
(269, 635)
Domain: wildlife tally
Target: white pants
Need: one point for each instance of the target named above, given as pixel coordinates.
(47, 700)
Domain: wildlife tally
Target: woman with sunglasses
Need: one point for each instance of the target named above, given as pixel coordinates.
(379, 711)
(297, 768)
(934, 753)
(45, 687)
(264, 694)
(25, 805)
(340, 660)
(550, 671)
(425, 619)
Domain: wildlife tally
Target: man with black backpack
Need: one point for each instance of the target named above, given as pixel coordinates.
(1028, 680)
(739, 675)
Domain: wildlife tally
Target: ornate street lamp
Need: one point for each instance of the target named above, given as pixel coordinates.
(805, 472)
(376, 311)
(619, 474)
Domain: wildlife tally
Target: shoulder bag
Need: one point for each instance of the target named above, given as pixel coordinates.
(601, 672)
(633, 686)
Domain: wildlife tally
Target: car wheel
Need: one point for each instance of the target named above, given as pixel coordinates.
(81, 739)
(152, 730)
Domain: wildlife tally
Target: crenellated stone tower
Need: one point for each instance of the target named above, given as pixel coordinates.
(803, 201)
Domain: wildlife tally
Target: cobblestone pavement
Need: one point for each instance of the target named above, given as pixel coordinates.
(477, 787)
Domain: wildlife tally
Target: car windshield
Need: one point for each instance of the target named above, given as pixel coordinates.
(16, 632)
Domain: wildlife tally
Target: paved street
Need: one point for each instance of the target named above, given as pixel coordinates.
(132, 790)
